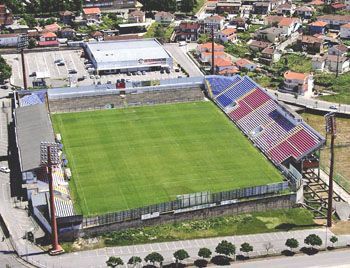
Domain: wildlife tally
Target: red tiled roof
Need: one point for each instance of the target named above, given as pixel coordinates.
(295, 76)
(338, 6)
(286, 22)
(208, 46)
(242, 62)
(228, 31)
(223, 62)
(189, 25)
(91, 10)
(345, 26)
(48, 35)
(229, 71)
(48, 43)
(52, 27)
(318, 23)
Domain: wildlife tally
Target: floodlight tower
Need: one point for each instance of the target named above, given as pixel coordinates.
(212, 51)
(49, 158)
(22, 44)
(332, 130)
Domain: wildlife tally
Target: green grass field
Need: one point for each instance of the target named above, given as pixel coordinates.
(128, 158)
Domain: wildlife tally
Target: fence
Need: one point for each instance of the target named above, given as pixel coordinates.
(186, 201)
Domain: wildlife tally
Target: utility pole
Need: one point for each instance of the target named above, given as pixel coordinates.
(330, 129)
(22, 44)
(212, 51)
(337, 73)
(49, 158)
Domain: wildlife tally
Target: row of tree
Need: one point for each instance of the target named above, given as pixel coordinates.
(185, 6)
(5, 70)
(39, 7)
(224, 248)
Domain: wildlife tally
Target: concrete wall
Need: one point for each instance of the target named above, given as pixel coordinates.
(118, 101)
(263, 204)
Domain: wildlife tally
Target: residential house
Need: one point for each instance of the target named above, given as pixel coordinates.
(337, 7)
(316, 3)
(304, 12)
(299, 83)
(224, 66)
(228, 35)
(272, 21)
(244, 64)
(164, 17)
(272, 34)
(317, 27)
(52, 28)
(335, 21)
(67, 17)
(256, 45)
(97, 35)
(9, 40)
(48, 39)
(340, 50)
(228, 6)
(92, 15)
(345, 31)
(68, 33)
(269, 56)
(262, 7)
(111, 4)
(286, 9)
(137, 16)
(17, 28)
(211, 7)
(240, 24)
(214, 21)
(310, 44)
(347, 4)
(204, 52)
(289, 25)
(187, 31)
(331, 63)
(5, 16)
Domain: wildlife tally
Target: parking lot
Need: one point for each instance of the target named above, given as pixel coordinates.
(46, 64)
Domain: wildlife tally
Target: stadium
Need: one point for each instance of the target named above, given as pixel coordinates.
(147, 154)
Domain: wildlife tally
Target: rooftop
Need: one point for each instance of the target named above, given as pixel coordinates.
(287, 21)
(318, 23)
(91, 11)
(127, 50)
(33, 126)
(295, 76)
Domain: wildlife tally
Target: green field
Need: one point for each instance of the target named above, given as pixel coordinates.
(128, 158)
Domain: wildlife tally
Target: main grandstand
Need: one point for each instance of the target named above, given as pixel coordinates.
(142, 162)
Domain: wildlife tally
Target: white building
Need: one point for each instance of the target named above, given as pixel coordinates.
(164, 17)
(345, 31)
(128, 55)
(9, 40)
(299, 83)
(289, 25)
(228, 35)
(330, 63)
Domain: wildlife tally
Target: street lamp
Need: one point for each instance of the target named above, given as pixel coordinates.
(49, 157)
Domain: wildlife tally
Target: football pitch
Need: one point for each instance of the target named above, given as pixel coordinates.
(128, 158)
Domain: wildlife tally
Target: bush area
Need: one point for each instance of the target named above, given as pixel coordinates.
(339, 85)
(293, 62)
(161, 32)
(258, 222)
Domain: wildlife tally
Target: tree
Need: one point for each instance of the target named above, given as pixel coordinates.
(154, 257)
(334, 240)
(204, 253)
(5, 70)
(292, 243)
(187, 5)
(114, 261)
(225, 248)
(246, 248)
(313, 240)
(180, 255)
(267, 247)
(134, 260)
(31, 43)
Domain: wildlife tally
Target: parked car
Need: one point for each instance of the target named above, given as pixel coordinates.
(72, 71)
(58, 61)
(61, 63)
(333, 107)
(143, 72)
(162, 71)
(4, 87)
(81, 79)
(167, 71)
(32, 74)
(139, 73)
(4, 170)
(129, 74)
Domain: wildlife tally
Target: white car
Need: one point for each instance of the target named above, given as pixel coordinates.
(4, 169)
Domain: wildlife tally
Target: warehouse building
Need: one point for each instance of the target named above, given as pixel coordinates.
(128, 56)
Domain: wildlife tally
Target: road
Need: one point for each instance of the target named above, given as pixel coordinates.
(335, 259)
(179, 54)
(311, 103)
